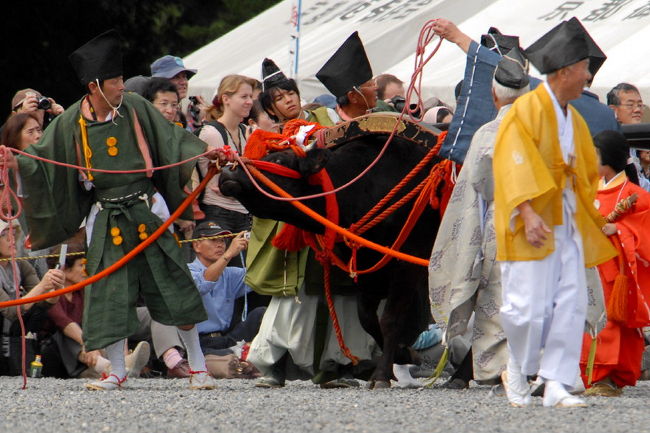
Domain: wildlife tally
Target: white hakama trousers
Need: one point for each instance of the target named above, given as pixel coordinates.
(544, 309)
(289, 325)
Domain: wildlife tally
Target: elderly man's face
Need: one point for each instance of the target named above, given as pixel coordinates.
(575, 78)
(630, 109)
(210, 249)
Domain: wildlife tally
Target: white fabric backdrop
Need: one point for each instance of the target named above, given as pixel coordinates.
(389, 30)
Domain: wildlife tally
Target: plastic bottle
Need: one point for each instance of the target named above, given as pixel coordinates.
(36, 367)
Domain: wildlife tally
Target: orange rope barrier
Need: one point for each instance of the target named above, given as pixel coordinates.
(121, 262)
(327, 223)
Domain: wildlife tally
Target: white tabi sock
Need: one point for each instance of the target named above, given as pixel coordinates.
(194, 353)
(115, 354)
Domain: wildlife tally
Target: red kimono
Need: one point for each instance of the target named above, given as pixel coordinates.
(620, 344)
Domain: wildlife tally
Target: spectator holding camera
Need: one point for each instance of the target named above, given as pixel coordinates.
(33, 315)
(220, 285)
(173, 69)
(32, 101)
(389, 86)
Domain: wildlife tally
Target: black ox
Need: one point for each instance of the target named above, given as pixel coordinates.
(402, 284)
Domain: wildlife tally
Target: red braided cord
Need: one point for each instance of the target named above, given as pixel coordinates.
(101, 170)
(274, 168)
(420, 204)
(401, 202)
(6, 197)
(397, 188)
(335, 320)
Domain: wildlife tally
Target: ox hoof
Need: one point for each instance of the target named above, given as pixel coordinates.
(378, 384)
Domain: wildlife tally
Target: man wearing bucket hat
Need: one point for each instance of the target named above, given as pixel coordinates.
(172, 68)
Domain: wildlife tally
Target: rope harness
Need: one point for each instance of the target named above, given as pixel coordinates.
(293, 239)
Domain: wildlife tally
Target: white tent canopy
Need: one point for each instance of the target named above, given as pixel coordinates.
(389, 30)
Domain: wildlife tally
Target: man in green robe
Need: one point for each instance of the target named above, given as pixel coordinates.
(108, 129)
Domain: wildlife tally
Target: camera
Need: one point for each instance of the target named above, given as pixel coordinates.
(247, 235)
(399, 101)
(44, 103)
(194, 110)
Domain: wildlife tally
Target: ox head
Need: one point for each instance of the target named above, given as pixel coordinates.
(235, 183)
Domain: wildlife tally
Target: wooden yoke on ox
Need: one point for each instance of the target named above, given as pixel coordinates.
(378, 124)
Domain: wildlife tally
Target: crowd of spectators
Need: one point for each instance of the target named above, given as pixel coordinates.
(54, 327)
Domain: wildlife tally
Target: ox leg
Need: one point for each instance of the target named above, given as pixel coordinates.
(392, 322)
(367, 308)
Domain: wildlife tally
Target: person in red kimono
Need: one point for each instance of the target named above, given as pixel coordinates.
(626, 278)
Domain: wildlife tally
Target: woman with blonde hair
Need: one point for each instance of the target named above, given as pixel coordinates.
(230, 106)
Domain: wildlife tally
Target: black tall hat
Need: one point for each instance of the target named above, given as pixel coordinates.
(98, 59)
(596, 56)
(494, 38)
(347, 68)
(512, 70)
(565, 44)
(271, 74)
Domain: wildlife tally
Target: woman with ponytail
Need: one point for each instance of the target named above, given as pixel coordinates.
(230, 106)
(618, 348)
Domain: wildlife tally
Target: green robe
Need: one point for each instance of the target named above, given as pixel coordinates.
(57, 201)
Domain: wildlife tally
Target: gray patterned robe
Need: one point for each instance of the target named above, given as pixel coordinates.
(463, 278)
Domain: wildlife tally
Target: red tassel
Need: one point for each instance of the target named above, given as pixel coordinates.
(256, 145)
(617, 304)
(290, 238)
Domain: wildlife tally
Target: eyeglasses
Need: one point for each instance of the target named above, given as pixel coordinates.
(165, 105)
(632, 105)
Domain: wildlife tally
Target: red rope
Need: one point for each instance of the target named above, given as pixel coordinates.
(101, 170)
(335, 321)
(121, 262)
(340, 230)
(6, 197)
(358, 227)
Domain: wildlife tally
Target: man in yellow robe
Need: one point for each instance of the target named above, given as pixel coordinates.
(547, 228)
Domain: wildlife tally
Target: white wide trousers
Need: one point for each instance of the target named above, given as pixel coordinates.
(544, 309)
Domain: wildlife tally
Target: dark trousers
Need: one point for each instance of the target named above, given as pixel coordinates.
(245, 330)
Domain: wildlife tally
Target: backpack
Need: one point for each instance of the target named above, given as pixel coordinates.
(224, 135)
(222, 130)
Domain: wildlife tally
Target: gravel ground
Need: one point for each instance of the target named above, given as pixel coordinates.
(160, 405)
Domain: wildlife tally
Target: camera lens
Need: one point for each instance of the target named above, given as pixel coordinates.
(44, 103)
